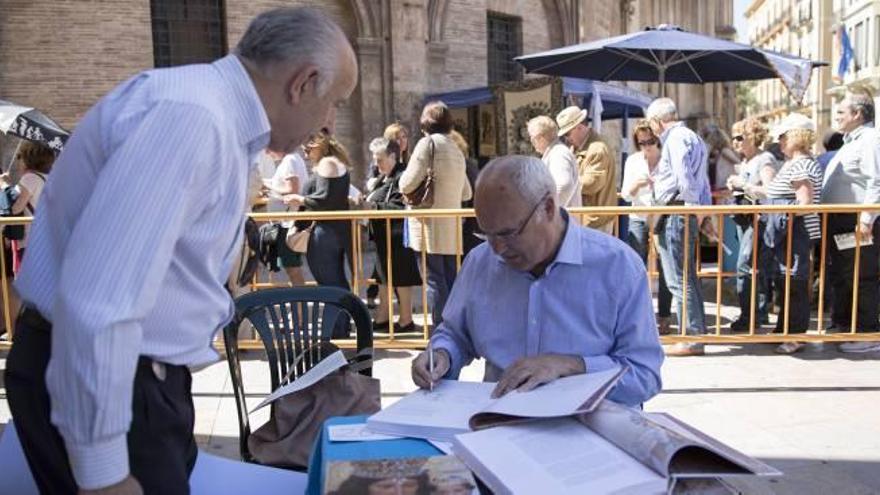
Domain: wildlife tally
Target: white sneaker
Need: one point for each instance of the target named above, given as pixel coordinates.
(859, 347)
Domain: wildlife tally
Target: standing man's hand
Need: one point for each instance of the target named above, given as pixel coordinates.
(128, 486)
(864, 231)
(527, 373)
(420, 373)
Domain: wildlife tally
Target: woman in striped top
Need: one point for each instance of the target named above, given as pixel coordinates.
(798, 182)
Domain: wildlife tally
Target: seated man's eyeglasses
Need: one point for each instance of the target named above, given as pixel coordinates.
(512, 235)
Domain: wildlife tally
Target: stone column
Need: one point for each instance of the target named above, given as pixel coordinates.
(372, 97)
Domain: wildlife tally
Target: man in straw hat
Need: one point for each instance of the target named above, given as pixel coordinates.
(596, 169)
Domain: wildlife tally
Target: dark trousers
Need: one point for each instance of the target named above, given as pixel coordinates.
(744, 274)
(842, 270)
(441, 275)
(329, 245)
(161, 447)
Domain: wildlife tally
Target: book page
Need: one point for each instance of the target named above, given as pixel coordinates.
(742, 463)
(630, 430)
(432, 414)
(558, 456)
(562, 397)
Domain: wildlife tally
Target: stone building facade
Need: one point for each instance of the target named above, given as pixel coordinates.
(61, 56)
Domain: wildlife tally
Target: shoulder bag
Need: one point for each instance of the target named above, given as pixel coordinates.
(423, 195)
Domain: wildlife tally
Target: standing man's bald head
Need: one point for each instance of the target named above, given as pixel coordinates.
(515, 203)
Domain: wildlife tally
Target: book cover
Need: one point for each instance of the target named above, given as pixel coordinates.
(435, 475)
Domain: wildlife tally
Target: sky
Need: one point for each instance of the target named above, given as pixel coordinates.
(739, 21)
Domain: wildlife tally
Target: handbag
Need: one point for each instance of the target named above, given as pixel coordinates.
(423, 195)
(298, 239)
(286, 440)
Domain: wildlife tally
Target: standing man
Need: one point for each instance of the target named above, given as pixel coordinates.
(558, 158)
(681, 179)
(853, 176)
(596, 171)
(135, 237)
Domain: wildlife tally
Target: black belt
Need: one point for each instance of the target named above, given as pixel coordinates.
(32, 318)
(676, 202)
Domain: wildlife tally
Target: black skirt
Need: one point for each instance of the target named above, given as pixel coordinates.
(404, 268)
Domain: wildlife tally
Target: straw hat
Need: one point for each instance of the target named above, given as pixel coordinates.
(791, 122)
(569, 118)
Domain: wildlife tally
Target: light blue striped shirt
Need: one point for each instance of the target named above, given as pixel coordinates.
(592, 301)
(682, 168)
(135, 236)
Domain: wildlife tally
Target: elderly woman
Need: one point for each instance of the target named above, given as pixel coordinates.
(798, 182)
(722, 159)
(437, 152)
(758, 168)
(383, 193)
(638, 189)
(544, 136)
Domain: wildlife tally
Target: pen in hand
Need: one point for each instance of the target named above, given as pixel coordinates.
(431, 366)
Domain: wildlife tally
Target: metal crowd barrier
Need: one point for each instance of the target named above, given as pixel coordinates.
(716, 333)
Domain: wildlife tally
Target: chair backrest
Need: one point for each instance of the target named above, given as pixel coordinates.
(291, 322)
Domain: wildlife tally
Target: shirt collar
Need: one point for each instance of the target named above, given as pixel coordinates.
(250, 116)
(667, 131)
(550, 148)
(855, 134)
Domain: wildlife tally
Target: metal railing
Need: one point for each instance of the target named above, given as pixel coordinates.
(719, 333)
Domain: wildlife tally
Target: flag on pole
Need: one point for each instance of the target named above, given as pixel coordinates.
(846, 51)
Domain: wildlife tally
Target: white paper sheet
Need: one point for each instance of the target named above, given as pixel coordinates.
(326, 366)
(848, 241)
(355, 433)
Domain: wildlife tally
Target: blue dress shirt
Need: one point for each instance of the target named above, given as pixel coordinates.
(682, 168)
(136, 233)
(593, 301)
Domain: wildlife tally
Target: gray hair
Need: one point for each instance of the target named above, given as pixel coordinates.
(528, 175)
(663, 109)
(863, 104)
(293, 36)
(544, 126)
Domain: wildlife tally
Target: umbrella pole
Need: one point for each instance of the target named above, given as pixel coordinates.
(12, 160)
(662, 80)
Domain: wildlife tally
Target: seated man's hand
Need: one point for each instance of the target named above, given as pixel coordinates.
(128, 486)
(422, 376)
(528, 373)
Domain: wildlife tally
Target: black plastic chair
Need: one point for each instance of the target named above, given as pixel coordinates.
(290, 323)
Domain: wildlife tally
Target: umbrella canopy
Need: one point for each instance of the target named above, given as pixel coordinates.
(667, 54)
(618, 101)
(31, 124)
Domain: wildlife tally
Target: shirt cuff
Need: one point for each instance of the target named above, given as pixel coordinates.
(455, 358)
(99, 465)
(594, 364)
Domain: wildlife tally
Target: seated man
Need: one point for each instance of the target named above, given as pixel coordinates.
(544, 297)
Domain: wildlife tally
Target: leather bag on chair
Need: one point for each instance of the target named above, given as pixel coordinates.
(286, 440)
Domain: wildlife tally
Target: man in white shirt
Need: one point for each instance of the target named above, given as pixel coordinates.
(134, 239)
(543, 133)
(853, 176)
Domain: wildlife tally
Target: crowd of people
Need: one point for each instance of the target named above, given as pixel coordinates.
(672, 165)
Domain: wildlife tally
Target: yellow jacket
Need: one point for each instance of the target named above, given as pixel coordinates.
(598, 177)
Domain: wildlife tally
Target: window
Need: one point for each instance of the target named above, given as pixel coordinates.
(187, 31)
(504, 34)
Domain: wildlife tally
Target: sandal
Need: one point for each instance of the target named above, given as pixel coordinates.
(789, 347)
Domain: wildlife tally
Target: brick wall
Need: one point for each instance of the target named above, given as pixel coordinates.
(62, 56)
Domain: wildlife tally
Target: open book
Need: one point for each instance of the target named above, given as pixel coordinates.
(614, 449)
(456, 407)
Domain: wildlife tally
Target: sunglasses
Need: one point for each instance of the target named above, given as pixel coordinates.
(650, 142)
(739, 137)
